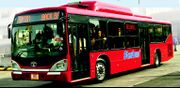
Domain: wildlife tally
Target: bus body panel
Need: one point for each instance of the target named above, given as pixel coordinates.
(68, 52)
(166, 50)
(119, 62)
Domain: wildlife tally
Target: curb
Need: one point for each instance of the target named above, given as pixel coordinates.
(5, 68)
(1, 68)
(9, 69)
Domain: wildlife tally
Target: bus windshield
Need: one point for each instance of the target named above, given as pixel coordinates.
(38, 40)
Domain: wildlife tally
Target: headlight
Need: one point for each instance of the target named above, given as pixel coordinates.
(15, 65)
(59, 66)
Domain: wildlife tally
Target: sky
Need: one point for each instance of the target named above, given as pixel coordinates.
(49, 3)
(31, 3)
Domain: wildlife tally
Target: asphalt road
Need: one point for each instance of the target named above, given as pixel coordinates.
(169, 80)
(167, 75)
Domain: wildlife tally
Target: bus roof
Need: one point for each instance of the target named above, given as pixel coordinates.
(95, 8)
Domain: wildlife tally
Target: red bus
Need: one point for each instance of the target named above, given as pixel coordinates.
(86, 40)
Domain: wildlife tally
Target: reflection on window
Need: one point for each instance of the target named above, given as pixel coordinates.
(22, 36)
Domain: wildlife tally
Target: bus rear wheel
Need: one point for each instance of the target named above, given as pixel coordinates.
(156, 60)
(100, 71)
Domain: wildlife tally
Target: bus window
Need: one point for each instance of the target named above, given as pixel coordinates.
(82, 34)
(116, 35)
(132, 39)
(151, 34)
(158, 34)
(98, 34)
(166, 32)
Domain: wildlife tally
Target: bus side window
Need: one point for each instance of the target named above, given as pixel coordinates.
(82, 32)
(158, 34)
(92, 36)
(73, 39)
(101, 38)
(116, 35)
(98, 35)
(131, 35)
(165, 32)
(151, 34)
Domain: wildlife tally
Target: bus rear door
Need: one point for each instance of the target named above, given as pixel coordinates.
(144, 42)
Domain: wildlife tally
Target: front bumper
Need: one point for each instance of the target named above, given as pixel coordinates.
(50, 76)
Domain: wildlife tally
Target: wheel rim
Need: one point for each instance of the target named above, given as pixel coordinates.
(100, 71)
(156, 60)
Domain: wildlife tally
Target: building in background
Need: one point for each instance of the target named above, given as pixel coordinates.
(6, 17)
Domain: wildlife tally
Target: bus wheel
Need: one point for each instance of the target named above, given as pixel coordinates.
(156, 60)
(100, 71)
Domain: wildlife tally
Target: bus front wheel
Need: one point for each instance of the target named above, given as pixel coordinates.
(100, 71)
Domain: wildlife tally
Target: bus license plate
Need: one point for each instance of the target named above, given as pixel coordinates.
(34, 76)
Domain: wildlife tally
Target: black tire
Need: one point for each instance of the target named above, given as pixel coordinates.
(156, 60)
(100, 71)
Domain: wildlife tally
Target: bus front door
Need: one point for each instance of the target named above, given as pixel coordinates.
(144, 42)
(79, 50)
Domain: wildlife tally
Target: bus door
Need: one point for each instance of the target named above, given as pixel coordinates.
(78, 40)
(144, 42)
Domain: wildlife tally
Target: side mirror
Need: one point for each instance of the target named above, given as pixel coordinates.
(9, 27)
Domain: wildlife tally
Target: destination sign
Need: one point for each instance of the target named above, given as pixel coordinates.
(37, 17)
(130, 26)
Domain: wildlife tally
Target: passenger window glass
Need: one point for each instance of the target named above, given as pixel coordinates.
(166, 32)
(158, 34)
(98, 34)
(132, 38)
(151, 34)
(116, 35)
